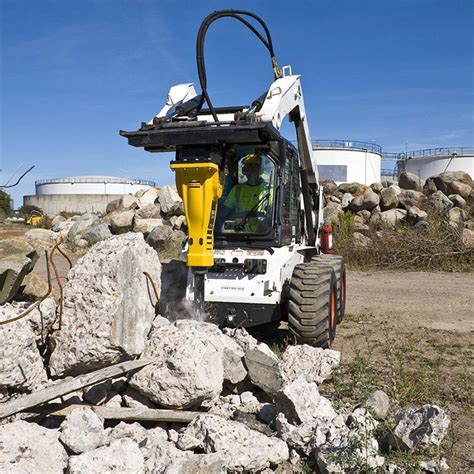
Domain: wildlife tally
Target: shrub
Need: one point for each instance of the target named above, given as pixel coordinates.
(438, 247)
(5, 203)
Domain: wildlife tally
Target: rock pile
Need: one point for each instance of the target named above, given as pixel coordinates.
(257, 412)
(157, 214)
(386, 205)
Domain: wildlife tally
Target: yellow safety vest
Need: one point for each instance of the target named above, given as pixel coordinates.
(243, 197)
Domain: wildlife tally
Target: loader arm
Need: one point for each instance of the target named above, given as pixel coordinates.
(285, 99)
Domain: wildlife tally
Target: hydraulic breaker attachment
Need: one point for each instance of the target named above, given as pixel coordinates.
(199, 186)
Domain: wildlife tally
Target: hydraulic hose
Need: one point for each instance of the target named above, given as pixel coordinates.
(200, 49)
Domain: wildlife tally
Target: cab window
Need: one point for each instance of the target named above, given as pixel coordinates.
(246, 205)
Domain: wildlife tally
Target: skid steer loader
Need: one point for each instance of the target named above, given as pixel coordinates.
(257, 249)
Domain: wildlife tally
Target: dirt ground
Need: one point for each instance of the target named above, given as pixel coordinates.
(412, 334)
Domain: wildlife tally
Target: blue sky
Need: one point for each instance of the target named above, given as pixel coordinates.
(75, 72)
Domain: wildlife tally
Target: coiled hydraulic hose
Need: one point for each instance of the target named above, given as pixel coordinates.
(200, 49)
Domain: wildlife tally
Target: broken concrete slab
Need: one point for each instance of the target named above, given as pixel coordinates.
(242, 447)
(301, 402)
(17, 259)
(419, 428)
(98, 331)
(188, 367)
(82, 431)
(27, 447)
(122, 455)
(264, 368)
(21, 365)
(313, 361)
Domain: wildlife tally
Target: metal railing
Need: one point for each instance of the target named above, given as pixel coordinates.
(452, 152)
(354, 144)
(98, 179)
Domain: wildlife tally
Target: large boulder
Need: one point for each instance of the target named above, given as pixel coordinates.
(456, 217)
(121, 222)
(458, 187)
(170, 202)
(444, 180)
(160, 237)
(315, 362)
(329, 186)
(128, 203)
(410, 181)
(264, 368)
(27, 447)
(440, 201)
(82, 431)
(376, 187)
(419, 428)
(331, 211)
(150, 196)
(389, 218)
(457, 201)
(361, 240)
(145, 226)
(409, 198)
(415, 215)
(81, 225)
(149, 211)
(355, 189)
(122, 455)
(96, 233)
(17, 259)
(467, 238)
(389, 198)
(346, 200)
(34, 287)
(301, 402)
(21, 365)
(112, 206)
(41, 237)
(242, 448)
(365, 202)
(188, 366)
(108, 306)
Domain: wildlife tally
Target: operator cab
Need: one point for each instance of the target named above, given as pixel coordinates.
(246, 205)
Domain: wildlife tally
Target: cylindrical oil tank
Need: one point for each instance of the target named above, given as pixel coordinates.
(347, 161)
(433, 161)
(91, 185)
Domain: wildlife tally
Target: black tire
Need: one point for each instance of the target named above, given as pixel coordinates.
(312, 304)
(337, 264)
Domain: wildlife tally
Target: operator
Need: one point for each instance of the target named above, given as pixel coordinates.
(250, 199)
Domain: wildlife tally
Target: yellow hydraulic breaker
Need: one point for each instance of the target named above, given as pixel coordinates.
(199, 186)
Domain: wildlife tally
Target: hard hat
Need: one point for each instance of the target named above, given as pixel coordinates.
(252, 159)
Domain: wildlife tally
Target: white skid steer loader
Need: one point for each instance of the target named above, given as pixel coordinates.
(257, 249)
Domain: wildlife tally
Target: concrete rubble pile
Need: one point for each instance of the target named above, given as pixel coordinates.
(386, 205)
(256, 412)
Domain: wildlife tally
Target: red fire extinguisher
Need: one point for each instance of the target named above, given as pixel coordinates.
(326, 239)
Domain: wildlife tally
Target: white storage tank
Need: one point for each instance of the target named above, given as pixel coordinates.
(81, 194)
(433, 161)
(91, 185)
(347, 161)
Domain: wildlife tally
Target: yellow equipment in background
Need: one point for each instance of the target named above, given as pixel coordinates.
(35, 219)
